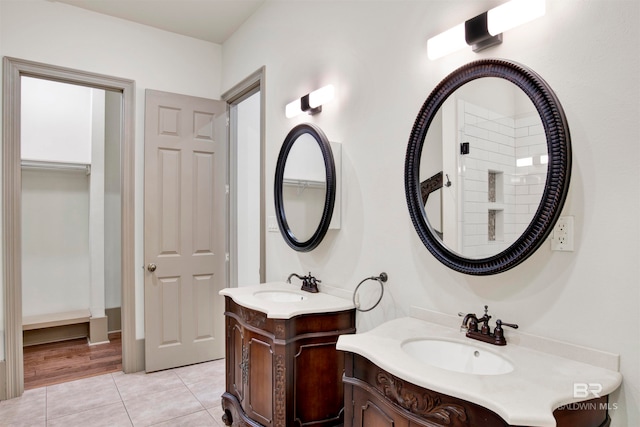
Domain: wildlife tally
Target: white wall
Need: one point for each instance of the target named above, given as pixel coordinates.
(64, 252)
(58, 34)
(112, 205)
(97, 204)
(248, 184)
(59, 123)
(53, 112)
(55, 242)
(586, 50)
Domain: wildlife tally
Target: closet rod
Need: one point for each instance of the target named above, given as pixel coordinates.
(39, 164)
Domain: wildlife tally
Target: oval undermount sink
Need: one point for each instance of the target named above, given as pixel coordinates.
(280, 296)
(457, 356)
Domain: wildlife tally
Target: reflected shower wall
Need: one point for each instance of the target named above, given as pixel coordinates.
(502, 177)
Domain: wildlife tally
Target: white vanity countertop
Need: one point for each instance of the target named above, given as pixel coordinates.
(309, 303)
(539, 383)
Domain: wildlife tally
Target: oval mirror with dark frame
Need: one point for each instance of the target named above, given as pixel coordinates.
(305, 187)
(488, 166)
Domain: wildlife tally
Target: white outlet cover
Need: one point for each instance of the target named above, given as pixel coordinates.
(562, 235)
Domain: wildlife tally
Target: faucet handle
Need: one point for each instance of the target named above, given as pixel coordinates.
(499, 324)
(498, 333)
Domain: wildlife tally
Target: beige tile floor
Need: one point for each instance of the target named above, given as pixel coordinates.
(187, 396)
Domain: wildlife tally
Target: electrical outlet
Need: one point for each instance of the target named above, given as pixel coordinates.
(272, 224)
(562, 235)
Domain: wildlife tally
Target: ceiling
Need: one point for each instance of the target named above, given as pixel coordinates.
(209, 20)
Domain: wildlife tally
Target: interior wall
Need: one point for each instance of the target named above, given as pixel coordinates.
(56, 226)
(54, 112)
(96, 204)
(67, 36)
(56, 273)
(248, 184)
(587, 50)
(112, 205)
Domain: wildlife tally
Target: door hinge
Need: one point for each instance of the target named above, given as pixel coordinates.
(227, 120)
(226, 257)
(226, 189)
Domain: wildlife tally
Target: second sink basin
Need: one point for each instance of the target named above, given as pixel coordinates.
(280, 296)
(457, 356)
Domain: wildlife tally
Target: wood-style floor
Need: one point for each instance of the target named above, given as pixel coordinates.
(48, 364)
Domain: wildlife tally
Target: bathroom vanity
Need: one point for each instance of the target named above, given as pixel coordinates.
(378, 398)
(282, 367)
(411, 372)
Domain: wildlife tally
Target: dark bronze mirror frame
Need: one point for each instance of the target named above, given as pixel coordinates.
(330, 196)
(558, 173)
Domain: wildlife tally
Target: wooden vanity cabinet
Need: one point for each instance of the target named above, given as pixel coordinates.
(376, 398)
(284, 372)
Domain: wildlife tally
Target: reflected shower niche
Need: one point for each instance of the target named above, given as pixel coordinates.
(501, 164)
(500, 150)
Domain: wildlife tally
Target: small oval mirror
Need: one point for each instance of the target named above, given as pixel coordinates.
(305, 187)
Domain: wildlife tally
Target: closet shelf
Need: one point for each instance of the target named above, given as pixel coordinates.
(304, 183)
(61, 166)
(55, 319)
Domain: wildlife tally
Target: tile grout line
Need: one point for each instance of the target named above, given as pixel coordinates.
(196, 397)
(121, 399)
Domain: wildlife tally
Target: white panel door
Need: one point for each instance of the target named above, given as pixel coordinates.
(184, 231)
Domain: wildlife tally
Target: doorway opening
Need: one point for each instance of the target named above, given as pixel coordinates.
(23, 251)
(70, 161)
(247, 238)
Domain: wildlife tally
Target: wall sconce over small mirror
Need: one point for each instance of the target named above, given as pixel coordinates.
(310, 103)
(485, 30)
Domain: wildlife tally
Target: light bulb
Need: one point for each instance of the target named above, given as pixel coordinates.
(511, 14)
(321, 96)
(446, 43)
(292, 109)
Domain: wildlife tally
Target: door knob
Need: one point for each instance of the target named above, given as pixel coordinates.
(152, 267)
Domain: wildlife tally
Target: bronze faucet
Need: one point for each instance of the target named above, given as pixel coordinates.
(470, 326)
(309, 283)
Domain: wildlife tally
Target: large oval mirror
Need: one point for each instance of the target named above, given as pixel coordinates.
(488, 166)
(305, 187)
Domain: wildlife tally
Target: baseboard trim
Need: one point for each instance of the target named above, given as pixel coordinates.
(98, 330)
(3, 380)
(140, 365)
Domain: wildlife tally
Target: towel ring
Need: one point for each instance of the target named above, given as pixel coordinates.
(380, 279)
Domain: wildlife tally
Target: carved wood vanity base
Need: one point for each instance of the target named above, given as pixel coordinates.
(375, 398)
(284, 372)
(233, 413)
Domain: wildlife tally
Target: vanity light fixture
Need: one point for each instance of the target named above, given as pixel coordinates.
(485, 30)
(311, 103)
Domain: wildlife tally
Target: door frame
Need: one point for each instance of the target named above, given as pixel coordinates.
(252, 84)
(13, 70)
